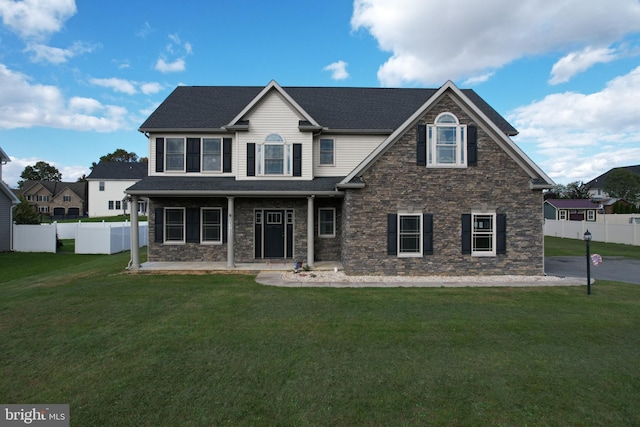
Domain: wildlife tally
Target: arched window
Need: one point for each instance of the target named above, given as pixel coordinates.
(274, 156)
(446, 142)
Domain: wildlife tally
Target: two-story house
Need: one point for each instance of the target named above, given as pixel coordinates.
(107, 183)
(385, 181)
(7, 201)
(56, 199)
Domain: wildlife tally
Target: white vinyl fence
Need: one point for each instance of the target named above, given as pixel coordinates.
(628, 234)
(90, 237)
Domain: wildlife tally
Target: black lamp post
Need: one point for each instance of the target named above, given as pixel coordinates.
(587, 239)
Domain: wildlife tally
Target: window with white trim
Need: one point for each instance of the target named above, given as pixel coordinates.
(101, 186)
(327, 222)
(212, 154)
(274, 156)
(483, 234)
(446, 142)
(174, 154)
(562, 214)
(211, 225)
(174, 227)
(409, 235)
(327, 152)
(43, 198)
(591, 215)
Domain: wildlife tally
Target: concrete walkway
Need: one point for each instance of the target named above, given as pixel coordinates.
(274, 278)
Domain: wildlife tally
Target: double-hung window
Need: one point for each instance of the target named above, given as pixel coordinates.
(174, 154)
(66, 198)
(274, 156)
(446, 142)
(211, 220)
(409, 235)
(212, 154)
(327, 222)
(327, 152)
(174, 225)
(483, 234)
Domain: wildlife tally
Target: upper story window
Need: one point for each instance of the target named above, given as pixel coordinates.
(274, 156)
(43, 198)
(174, 154)
(212, 154)
(66, 198)
(101, 186)
(327, 152)
(446, 142)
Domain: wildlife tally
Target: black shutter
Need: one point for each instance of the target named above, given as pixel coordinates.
(225, 223)
(392, 234)
(193, 154)
(297, 159)
(427, 234)
(466, 233)
(159, 225)
(472, 145)
(421, 146)
(159, 154)
(193, 225)
(251, 159)
(501, 237)
(226, 155)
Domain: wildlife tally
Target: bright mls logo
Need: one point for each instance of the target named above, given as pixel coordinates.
(35, 415)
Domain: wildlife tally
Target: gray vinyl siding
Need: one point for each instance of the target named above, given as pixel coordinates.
(5, 223)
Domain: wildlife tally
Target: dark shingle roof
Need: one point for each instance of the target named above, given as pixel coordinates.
(345, 108)
(572, 203)
(598, 182)
(119, 170)
(188, 186)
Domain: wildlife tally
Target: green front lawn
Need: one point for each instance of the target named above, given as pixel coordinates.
(557, 246)
(202, 350)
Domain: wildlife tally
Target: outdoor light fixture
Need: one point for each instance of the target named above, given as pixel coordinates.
(587, 239)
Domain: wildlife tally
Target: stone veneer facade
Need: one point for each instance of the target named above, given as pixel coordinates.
(395, 182)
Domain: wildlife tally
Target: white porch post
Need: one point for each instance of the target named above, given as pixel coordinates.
(310, 241)
(135, 242)
(230, 237)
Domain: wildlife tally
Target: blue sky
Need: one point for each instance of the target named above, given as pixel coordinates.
(77, 78)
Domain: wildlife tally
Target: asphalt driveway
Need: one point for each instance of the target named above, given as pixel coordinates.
(612, 268)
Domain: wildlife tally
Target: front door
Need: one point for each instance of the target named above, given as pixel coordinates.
(273, 233)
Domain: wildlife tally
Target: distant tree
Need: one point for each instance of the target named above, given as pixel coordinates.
(120, 155)
(24, 213)
(83, 178)
(41, 171)
(573, 190)
(622, 184)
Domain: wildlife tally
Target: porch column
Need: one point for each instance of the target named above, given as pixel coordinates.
(135, 236)
(310, 242)
(230, 249)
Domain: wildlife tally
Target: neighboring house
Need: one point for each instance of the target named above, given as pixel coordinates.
(385, 181)
(570, 209)
(596, 185)
(615, 206)
(107, 184)
(7, 201)
(55, 199)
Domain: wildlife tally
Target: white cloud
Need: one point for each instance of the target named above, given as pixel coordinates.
(338, 70)
(583, 135)
(118, 85)
(577, 62)
(170, 67)
(175, 47)
(26, 105)
(151, 88)
(36, 19)
(56, 55)
(431, 42)
(145, 30)
(471, 81)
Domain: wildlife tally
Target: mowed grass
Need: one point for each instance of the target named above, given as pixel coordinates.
(202, 350)
(557, 246)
